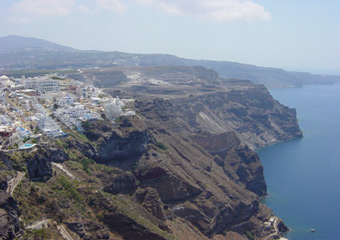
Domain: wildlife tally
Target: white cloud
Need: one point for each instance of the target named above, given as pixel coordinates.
(27, 11)
(111, 5)
(83, 8)
(171, 8)
(36, 8)
(220, 10)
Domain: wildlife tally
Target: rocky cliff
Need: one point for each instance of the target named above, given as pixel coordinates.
(124, 140)
(182, 168)
(250, 112)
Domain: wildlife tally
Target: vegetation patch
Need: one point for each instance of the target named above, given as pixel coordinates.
(38, 234)
(70, 189)
(250, 235)
(86, 162)
(161, 146)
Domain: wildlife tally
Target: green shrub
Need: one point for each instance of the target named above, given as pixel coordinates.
(250, 235)
(36, 130)
(40, 234)
(85, 162)
(70, 189)
(161, 146)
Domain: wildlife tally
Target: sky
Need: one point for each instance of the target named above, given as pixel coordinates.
(302, 35)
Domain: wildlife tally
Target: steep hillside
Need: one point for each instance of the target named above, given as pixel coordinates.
(182, 168)
(155, 184)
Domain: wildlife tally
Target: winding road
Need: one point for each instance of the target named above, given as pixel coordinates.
(275, 228)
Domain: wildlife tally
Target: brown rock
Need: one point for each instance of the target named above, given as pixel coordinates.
(150, 200)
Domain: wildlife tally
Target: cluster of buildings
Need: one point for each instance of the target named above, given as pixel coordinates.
(32, 107)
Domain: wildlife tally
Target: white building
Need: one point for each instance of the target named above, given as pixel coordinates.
(74, 116)
(64, 101)
(23, 133)
(42, 84)
(5, 81)
(113, 108)
(2, 97)
(48, 126)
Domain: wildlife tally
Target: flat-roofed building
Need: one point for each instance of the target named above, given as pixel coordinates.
(42, 84)
(6, 131)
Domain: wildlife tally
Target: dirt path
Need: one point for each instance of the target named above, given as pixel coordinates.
(44, 223)
(64, 233)
(13, 183)
(58, 165)
(39, 224)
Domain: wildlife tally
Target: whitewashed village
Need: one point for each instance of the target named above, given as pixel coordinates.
(31, 108)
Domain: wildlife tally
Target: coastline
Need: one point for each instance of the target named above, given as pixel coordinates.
(299, 174)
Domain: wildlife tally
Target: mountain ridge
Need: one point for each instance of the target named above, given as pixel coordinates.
(12, 43)
(41, 54)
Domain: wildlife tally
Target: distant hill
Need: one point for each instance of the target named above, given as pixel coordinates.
(22, 53)
(14, 43)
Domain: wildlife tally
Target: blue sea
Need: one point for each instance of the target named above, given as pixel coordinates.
(303, 176)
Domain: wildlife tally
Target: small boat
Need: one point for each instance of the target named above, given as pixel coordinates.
(313, 230)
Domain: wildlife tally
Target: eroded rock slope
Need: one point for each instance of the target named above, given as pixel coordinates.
(182, 168)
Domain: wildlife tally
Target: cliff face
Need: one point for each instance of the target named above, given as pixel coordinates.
(192, 186)
(183, 164)
(208, 175)
(250, 112)
(124, 141)
(194, 161)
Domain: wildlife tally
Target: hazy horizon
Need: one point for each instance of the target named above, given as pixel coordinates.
(297, 36)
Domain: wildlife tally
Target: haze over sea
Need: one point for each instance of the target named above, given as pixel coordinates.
(303, 176)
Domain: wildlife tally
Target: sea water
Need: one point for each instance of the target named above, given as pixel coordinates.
(303, 176)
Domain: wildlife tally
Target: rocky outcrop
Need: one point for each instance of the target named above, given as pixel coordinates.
(57, 154)
(169, 186)
(128, 219)
(126, 140)
(217, 144)
(244, 166)
(123, 182)
(9, 217)
(150, 200)
(39, 165)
